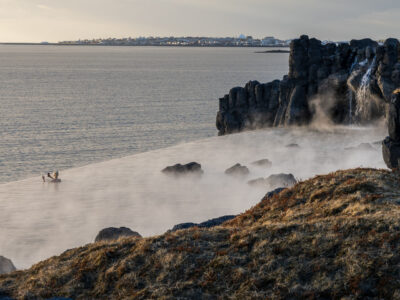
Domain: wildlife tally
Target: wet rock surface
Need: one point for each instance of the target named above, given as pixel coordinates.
(6, 265)
(345, 82)
(113, 233)
(391, 144)
(179, 169)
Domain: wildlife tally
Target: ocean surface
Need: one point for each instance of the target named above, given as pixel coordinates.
(111, 118)
(62, 107)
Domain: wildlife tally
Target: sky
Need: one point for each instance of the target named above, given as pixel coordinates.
(60, 20)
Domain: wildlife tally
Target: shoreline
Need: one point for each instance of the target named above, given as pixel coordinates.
(167, 46)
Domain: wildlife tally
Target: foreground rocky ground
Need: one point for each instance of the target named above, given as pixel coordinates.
(333, 236)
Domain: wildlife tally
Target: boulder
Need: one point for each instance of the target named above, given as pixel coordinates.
(178, 169)
(281, 180)
(266, 163)
(274, 181)
(206, 224)
(6, 265)
(237, 170)
(391, 153)
(113, 233)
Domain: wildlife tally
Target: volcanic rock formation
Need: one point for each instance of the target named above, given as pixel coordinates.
(391, 144)
(178, 169)
(6, 265)
(113, 233)
(342, 83)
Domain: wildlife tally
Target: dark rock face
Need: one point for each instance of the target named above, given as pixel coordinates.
(237, 170)
(113, 233)
(391, 144)
(352, 82)
(207, 224)
(391, 153)
(178, 169)
(6, 265)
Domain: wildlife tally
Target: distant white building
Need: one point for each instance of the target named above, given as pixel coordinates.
(269, 41)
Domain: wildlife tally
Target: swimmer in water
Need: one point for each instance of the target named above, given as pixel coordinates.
(54, 177)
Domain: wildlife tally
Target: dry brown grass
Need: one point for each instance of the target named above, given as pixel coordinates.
(334, 236)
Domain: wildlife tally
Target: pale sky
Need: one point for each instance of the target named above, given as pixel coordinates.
(57, 20)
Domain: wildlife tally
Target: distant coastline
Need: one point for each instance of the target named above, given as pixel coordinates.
(182, 46)
(187, 41)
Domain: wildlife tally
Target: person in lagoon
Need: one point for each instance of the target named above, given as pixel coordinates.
(54, 177)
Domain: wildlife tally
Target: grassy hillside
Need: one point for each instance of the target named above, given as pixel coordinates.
(333, 236)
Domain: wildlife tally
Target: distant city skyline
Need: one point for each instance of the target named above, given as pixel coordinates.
(241, 41)
(58, 20)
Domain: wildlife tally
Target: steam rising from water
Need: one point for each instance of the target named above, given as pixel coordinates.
(38, 219)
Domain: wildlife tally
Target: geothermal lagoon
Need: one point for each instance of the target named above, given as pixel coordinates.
(40, 219)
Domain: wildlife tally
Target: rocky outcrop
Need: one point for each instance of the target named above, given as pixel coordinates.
(113, 233)
(341, 83)
(6, 265)
(206, 224)
(391, 144)
(178, 169)
(274, 181)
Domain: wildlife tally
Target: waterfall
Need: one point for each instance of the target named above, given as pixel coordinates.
(350, 96)
(363, 93)
(350, 99)
(353, 64)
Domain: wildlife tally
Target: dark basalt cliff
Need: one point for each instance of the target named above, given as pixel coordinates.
(346, 83)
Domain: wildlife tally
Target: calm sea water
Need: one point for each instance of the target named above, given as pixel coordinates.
(62, 107)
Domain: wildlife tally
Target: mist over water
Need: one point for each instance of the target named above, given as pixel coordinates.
(38, 220)
(64, 107)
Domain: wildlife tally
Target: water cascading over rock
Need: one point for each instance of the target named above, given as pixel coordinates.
(345, 83)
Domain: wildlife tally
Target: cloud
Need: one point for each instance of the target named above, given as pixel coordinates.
(73, 19)
(42, 6)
